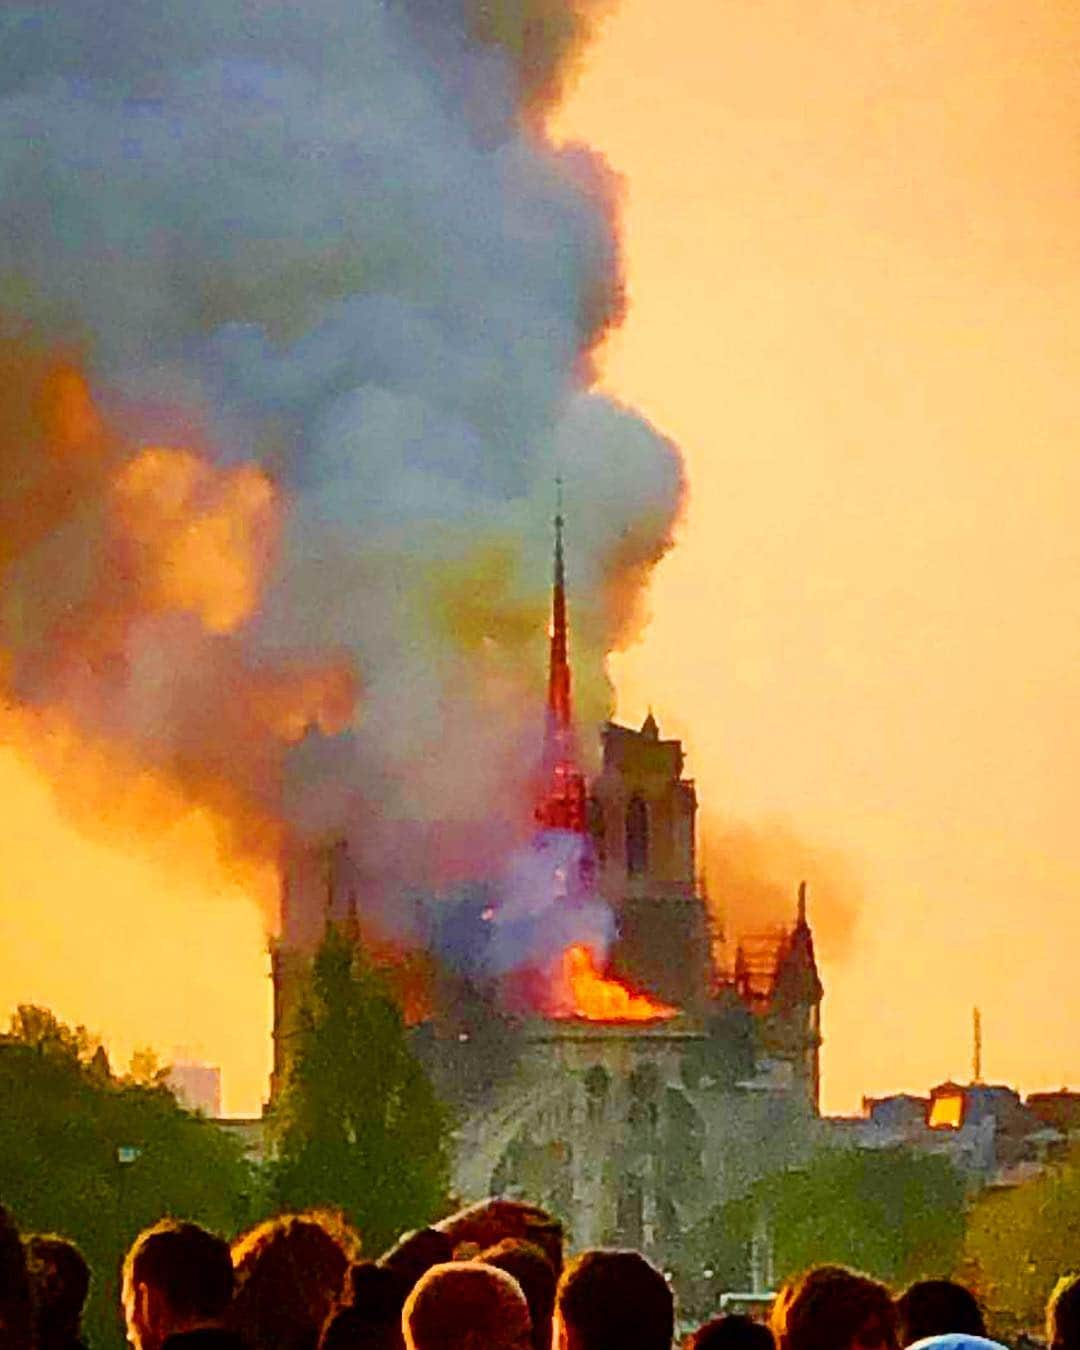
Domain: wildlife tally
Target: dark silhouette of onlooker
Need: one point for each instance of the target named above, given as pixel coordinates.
(613, 1300)
(59, 1282)
(178, 1280)
(735, 1331)
(1063, 1315)
(414, 1254)
(935, 1308)
(466, 1305)
(370, 1317)
(534, 1272)
(16, 1309)
(832, 1308)
(474, 1229)
(782, 1301)
(290, 1275)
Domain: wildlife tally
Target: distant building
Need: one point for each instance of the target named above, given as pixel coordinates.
(900, 1114)
(196, 1086)
(1058, 1110)
(985, 1129)
(251, 1133)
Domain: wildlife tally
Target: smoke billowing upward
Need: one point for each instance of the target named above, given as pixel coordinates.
(276, 544)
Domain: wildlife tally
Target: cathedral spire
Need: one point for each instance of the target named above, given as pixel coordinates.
(562, 806)
(560, 713)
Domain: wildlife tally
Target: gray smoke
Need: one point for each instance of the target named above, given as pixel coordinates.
(328, 238)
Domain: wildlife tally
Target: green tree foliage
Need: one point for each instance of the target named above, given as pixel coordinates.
(97, 1158)
(893, 1213)
(1019, 1240)
(360, 1128)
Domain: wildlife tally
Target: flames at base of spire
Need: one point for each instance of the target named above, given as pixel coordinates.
(580, 989)
(574, 985)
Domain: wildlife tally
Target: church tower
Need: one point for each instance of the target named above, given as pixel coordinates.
(643, 818)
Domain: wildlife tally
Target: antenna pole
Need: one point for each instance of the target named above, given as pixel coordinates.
(976, 1035)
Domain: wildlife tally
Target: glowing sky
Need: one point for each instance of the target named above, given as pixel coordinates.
(853, 241)
(144, 949)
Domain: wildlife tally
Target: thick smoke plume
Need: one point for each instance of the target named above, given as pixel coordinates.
(128, 574)
(299, 305)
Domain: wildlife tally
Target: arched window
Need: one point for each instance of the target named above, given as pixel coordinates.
(637, 837)
(597, 1083)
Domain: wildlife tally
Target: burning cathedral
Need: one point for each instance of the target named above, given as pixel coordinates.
(605, 1052)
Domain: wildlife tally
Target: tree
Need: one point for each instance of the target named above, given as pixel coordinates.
(1019, 1240)
(359, 1127)
(97, 1158)
(893, 1213)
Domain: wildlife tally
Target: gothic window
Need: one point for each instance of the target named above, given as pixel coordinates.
(637, 837)
(630, 1212)
(642, 1113)
(597, 1083)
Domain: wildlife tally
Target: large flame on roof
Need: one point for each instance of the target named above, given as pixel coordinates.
(583, 990)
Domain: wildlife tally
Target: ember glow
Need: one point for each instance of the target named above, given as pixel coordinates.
(581, 989)
(947, 1111)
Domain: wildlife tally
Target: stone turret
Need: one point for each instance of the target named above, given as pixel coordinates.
(792, 1024)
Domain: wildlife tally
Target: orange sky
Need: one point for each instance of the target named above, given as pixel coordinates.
(853, 244)
(853, 238)
(146, 949)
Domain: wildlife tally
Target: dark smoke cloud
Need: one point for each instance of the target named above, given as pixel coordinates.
(329, 241)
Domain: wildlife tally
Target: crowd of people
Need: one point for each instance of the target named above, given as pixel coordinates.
(491, 1277)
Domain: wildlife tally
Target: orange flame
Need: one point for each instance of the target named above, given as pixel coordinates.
(586, 992)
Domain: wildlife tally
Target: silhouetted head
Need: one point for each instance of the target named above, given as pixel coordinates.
(177, 1277)
(484, 1224)
(732, 1332)
(16, 1319)
(1063, 1314)
(290, 1274)
(60, 1281)
(371, 1316)
(831, 1308)
(414, 1253)
(613, 1300)
(534, 1272)
(376, 1291)
(466, 1305)
(935, 1307)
